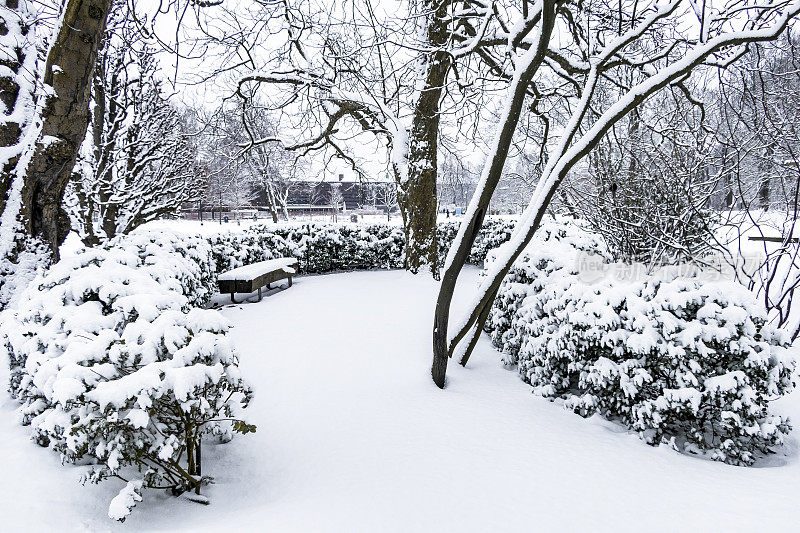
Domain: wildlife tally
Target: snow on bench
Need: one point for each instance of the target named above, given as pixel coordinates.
(249, 278)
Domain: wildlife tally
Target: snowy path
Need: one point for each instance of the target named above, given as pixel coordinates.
(353, 436)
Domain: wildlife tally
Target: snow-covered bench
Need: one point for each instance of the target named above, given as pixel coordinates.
(250, 278)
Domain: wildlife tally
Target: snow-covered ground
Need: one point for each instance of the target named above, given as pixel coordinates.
(353, 436)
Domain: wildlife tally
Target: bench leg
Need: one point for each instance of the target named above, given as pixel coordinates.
(234, 299)
(290, 281)
(259, 294)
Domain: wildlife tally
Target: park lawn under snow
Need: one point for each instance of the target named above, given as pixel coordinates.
(353, 436)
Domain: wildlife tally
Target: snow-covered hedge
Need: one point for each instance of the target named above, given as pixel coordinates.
(321, 248)
(114, 363)
(677, 359)
(493, 233)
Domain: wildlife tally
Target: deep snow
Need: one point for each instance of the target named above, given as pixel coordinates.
(353, 436)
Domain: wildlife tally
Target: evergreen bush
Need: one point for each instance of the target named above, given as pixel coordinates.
(115, 364)
(680, 360)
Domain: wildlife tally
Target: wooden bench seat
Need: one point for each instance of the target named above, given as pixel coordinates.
(251, 278)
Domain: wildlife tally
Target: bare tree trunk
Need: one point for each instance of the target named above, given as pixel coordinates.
(270, 194)
(765, 177)
(473, 221)
(88, 203)
(107, 112)
(87, 207)
(69, 69)
(109, 218)
(417, 192)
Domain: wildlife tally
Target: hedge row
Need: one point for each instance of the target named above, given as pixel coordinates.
(321, 248)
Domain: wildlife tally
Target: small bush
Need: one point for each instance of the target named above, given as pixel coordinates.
(680, 360)
(114, 364)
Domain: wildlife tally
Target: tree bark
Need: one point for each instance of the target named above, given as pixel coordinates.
(102, 152)
(68, 70)
(417, 191)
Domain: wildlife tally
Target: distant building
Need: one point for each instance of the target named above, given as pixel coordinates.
(352, 194)
(322, 197)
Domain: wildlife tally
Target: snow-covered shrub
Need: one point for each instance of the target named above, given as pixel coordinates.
(114, 364)
(179, 263)
(559, 246)
(677, 359)
(493, 233)
(318, 248)
(321, 248)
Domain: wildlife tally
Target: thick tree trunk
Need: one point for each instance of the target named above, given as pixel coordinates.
(69, 68)
(417, 191)
(20, 256)
(11, 129)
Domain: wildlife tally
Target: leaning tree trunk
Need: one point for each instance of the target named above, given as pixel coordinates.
(473, 220)
(417, 191)
(65, 118)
